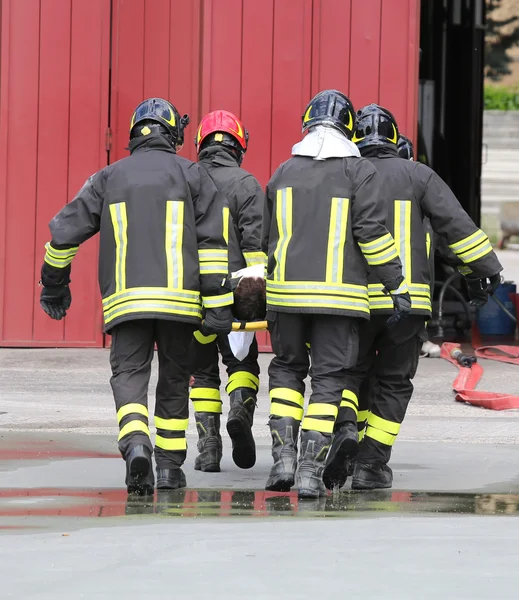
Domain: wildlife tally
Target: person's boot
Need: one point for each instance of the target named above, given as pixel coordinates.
(284, 431)
(139, 471)
(170, 479)
(312, 458)
(239, 427)
(371, 476)
(209, 442)
(345, 446)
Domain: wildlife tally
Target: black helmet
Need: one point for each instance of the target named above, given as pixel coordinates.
(330, 107)
(157, 110)
(405, 148)
(375, 126)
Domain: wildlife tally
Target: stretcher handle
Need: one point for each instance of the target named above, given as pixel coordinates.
(249, 326)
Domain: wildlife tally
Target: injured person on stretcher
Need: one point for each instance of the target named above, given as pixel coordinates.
(248, 287)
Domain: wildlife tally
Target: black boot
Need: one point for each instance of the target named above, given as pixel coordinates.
(239, 427)
(284, 431)
(345, 446)
(314, 449)
(170, 479)
(372, 476)
(139, 471)
(209, 442)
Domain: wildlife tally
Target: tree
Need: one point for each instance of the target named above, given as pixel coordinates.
(501, 35)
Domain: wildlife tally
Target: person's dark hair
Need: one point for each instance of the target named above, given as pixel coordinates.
(250, 303)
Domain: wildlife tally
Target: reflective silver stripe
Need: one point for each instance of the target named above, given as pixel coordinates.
(118, 214)
(377, 259)
(317, 301)
(337, 239)
(174, 239)
(212, 254)
(207, 269)
(475, 253)
(292, 287)
(217, 301)
(404, 208)
(150, 306)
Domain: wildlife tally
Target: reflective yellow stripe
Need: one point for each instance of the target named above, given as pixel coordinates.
(128, 409)
(284, 225)
(377, 244)
(362, 415)
(204, 339)
(402, 289)
(361, 435)
(387, 439)
(317, 425)
(283, 410)
(464, 270)
(205, 393)
(349, 395)
(318, 302)
(255, 258)
(207, 406)
(152, 293)
(174, 239)
(478, 252)
(59, 258)
(469, 241)
(385, 425)
(322, 409)
(170, 443)
(152, 306)
(305, 287)
(382, 258)
(214, 269)
(403, 235)
(218, 301)
(120, 225)
(242, 379)
(287, 394)
(349, 404)
(132, 427)
(337, 240)
(428, 244)
(210, 254)
(226, 216)
(171, 424)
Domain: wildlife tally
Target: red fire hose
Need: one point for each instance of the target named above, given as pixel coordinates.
(468, 377)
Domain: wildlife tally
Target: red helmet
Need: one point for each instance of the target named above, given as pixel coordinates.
(222, 122)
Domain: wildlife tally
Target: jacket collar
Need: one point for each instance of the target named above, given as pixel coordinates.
(216, 155)
(151, 142)
(380, 151)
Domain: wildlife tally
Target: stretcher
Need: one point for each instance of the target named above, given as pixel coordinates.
(249, 326)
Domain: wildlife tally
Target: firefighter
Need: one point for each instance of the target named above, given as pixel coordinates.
(162, 260)
(322, 224)
(221, 143)
(412, 191)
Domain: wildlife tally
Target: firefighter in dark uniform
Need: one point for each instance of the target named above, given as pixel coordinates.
(412, 191)
(322, 225)
(162, 261)
(221, 143)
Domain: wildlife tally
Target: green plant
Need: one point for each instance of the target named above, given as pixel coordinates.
(501, 98)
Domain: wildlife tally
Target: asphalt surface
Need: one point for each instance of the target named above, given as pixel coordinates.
(448, 528)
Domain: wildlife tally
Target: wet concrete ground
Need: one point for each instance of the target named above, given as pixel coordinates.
(448, 529)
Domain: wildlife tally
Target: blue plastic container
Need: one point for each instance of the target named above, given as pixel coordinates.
(491, 320)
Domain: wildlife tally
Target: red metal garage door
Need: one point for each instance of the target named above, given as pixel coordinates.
(262, 60)
(54, 78)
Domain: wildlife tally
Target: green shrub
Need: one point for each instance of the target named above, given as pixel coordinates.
(501, 98)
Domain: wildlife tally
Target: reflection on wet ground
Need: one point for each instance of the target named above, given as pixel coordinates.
(74, 502)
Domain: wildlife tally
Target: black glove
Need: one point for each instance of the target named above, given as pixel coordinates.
(480, 289)
(217, 320)
(402, 306)
(55, 300)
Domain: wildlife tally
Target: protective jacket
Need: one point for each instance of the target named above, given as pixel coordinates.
(246, 199)
(162, 250)
(412, 190)
(322, 226)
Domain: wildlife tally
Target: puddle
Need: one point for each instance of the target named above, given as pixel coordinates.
(105, 503)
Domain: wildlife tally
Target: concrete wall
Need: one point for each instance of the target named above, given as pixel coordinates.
(500, 176)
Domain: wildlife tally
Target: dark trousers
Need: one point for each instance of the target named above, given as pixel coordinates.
(130, 357)
(388, 359)
(205, 394)
(330, 344)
